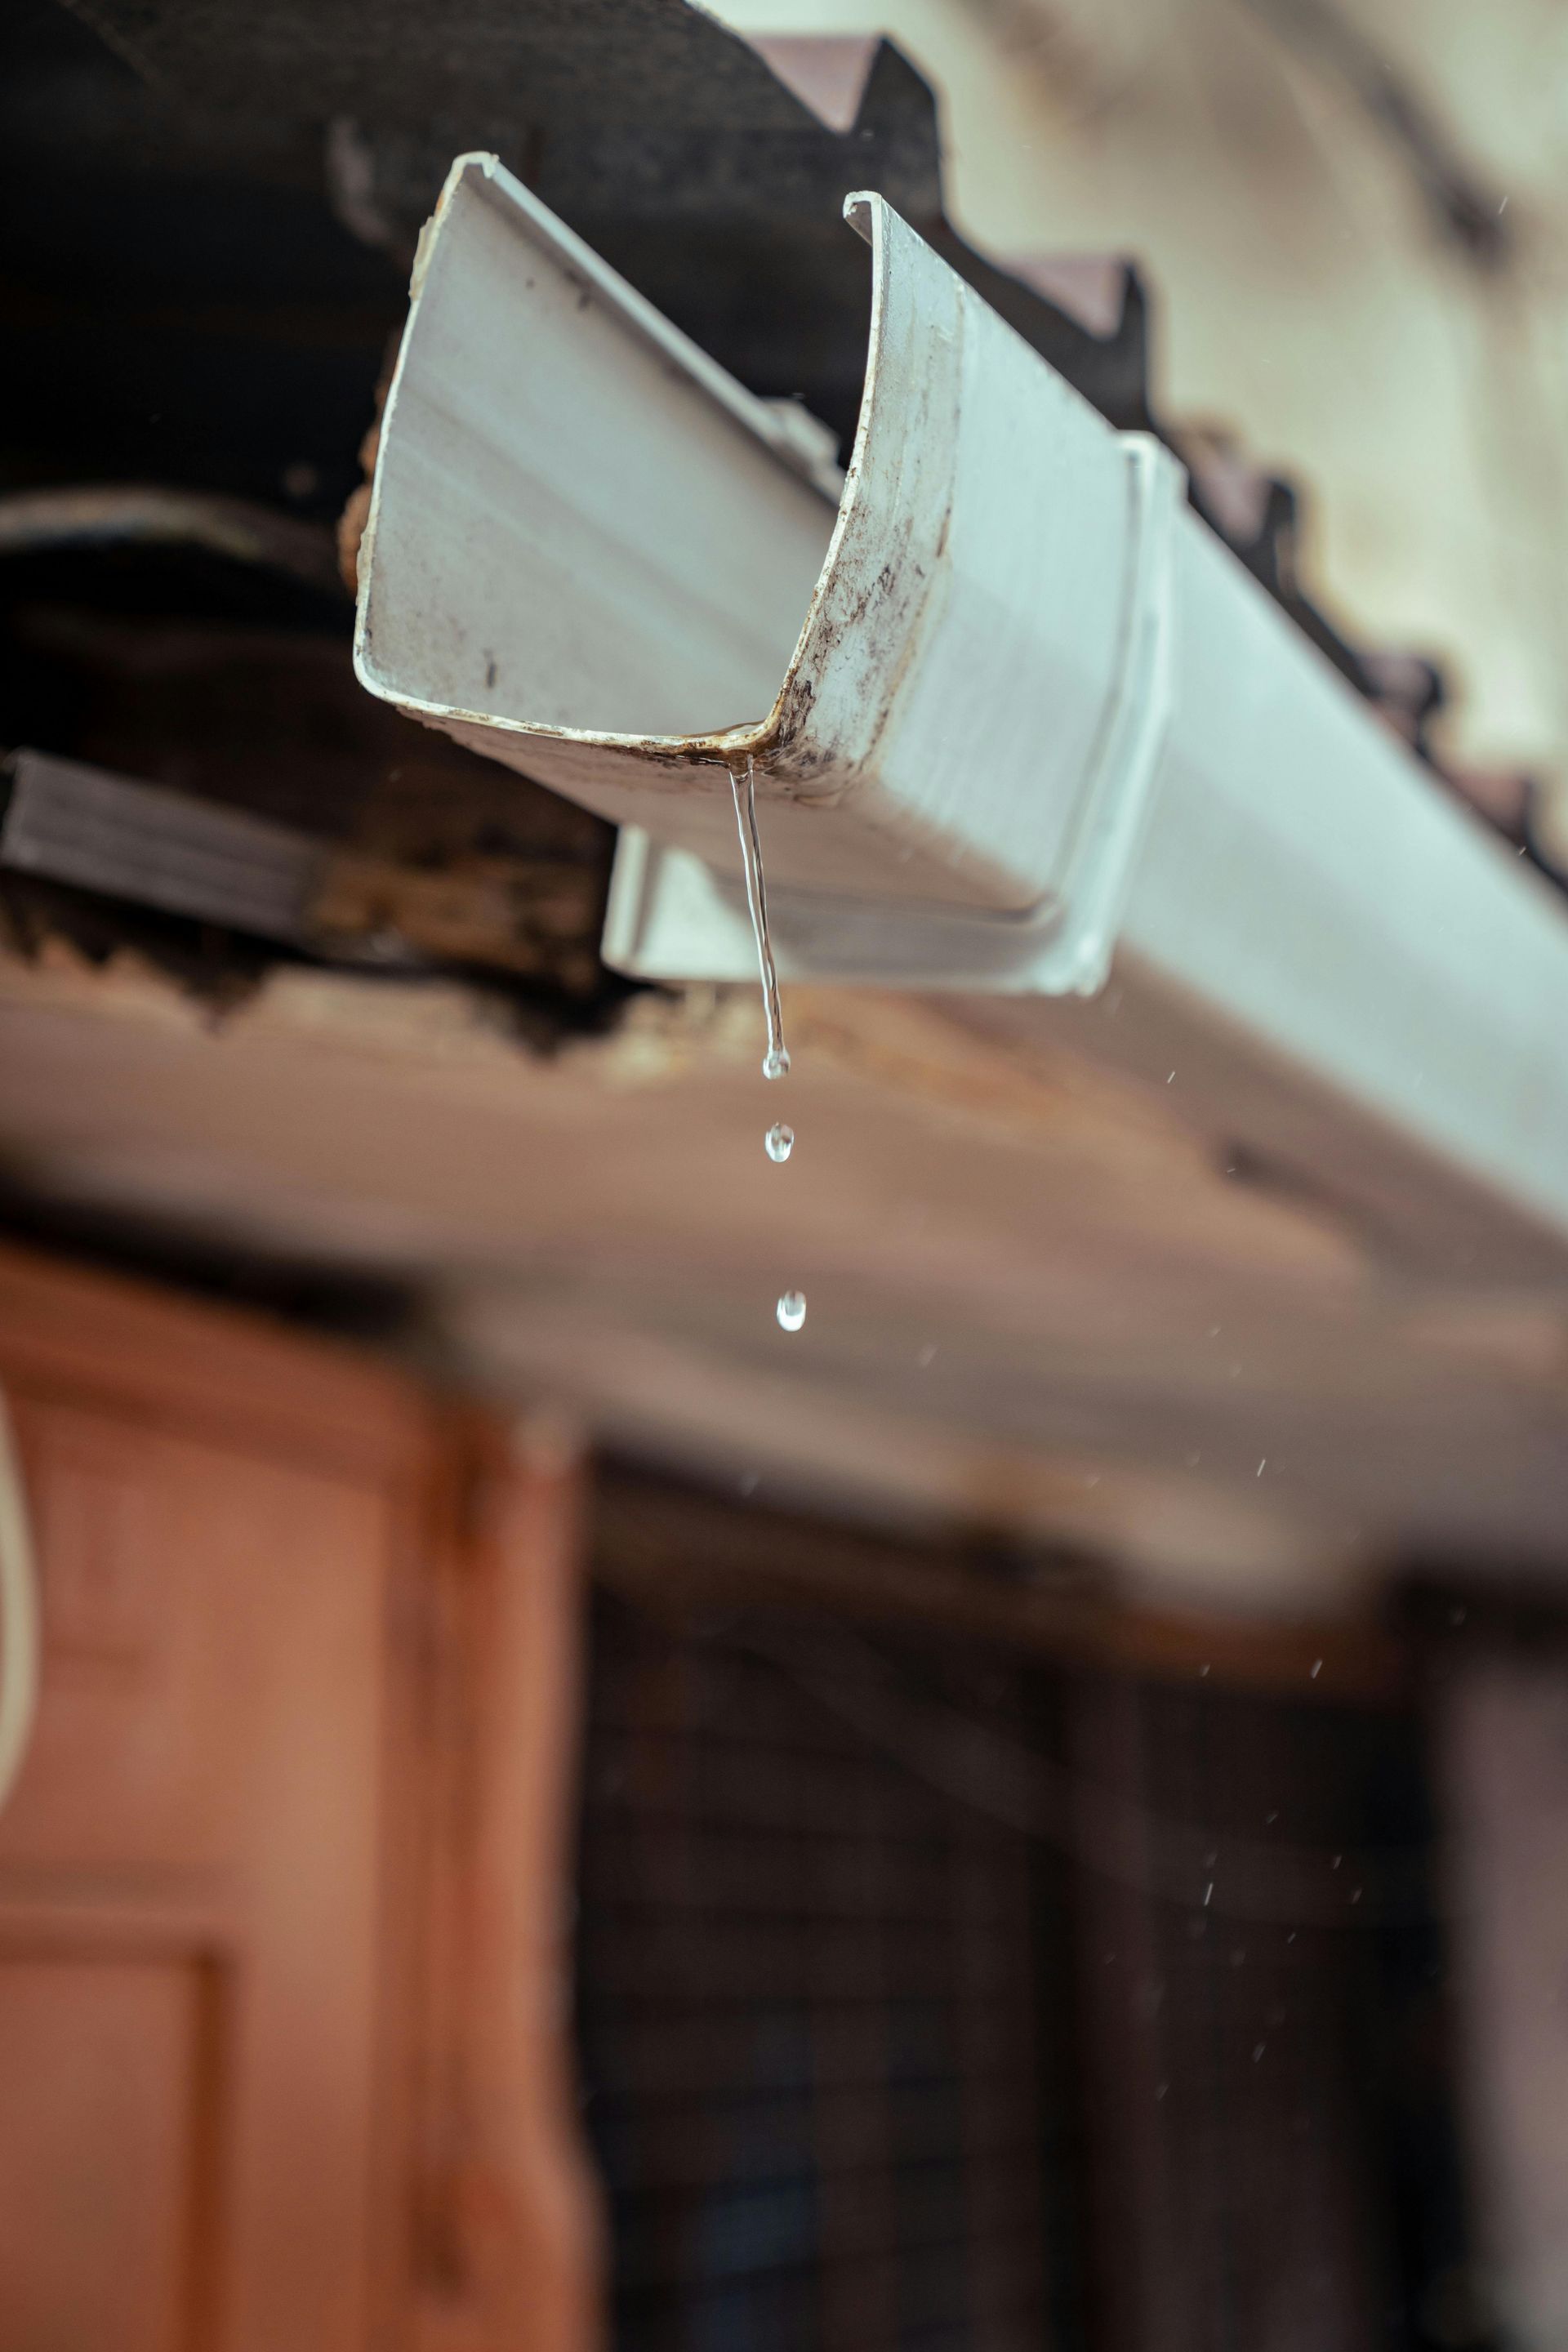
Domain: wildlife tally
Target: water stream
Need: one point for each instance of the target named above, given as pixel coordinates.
(779, 1141)
(776, 1061)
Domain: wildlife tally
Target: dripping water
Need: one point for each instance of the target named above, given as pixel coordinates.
(779, 1141)
(776, 1061)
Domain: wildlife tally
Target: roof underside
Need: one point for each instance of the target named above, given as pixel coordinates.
(1043, 1299)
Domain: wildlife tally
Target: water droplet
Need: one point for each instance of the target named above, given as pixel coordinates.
(775, 1063)
(779, 1141)
(792, 1310)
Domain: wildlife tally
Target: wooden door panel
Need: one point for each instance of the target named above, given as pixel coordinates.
(282, 1881)
(99, 2143)
(198, 1604)
(210, 1758)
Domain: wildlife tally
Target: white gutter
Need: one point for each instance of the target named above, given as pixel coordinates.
(1016, 716)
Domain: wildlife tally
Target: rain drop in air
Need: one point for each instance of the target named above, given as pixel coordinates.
(779, 1141)
(792, 1310)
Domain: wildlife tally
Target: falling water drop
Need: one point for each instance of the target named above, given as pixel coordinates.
(792, 1310)
(779, 1141)
(775, 1062)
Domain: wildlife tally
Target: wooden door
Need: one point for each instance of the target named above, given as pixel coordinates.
(236, 2097)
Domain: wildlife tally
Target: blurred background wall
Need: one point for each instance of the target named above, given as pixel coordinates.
(1355, 214)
